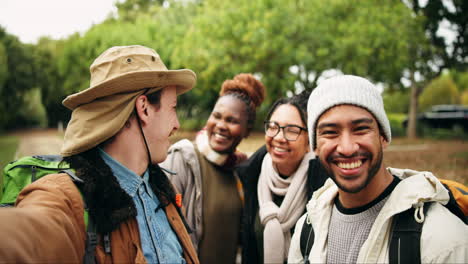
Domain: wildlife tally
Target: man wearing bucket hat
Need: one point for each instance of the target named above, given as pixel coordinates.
(117, 135)
(351, 217)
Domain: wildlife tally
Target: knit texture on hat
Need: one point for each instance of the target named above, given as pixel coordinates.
(345, 89)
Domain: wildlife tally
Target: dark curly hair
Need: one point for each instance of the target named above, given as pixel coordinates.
(99, 185)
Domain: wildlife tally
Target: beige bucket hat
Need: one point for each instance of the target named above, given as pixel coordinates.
(118, 76)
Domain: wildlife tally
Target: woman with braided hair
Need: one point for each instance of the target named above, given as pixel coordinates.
(204, 170)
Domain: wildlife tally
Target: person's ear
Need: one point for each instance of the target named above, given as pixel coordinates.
(384, 142)
(141, 107)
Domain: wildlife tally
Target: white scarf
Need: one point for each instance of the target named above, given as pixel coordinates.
(278, 221)
(204, 147)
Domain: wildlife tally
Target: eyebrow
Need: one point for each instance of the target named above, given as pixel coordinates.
(285, 124)
(324, 125)
(354, 122)
(362, 120)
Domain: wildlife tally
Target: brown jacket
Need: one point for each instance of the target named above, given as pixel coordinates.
(47, 225)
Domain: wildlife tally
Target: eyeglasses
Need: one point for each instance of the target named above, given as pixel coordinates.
(290, 132)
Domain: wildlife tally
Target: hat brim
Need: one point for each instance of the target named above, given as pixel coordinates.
(183, 79)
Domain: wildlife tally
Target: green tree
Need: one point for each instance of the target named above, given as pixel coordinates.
(461, 79)
(230, 37)
(47, 54)
(396, 101)
(20, 79)
(438, 13)
(130, 10)
(3, 65)
(356, 37)
(441, 90)
(464, 98)
(430, 62)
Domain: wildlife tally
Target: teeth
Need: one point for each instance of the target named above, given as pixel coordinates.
(280, 149)
(351, 165)
(220, 136)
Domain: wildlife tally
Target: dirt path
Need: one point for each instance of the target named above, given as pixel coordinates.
(38, 142)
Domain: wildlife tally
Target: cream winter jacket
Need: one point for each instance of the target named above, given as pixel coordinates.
(183, 159)
(444, 237)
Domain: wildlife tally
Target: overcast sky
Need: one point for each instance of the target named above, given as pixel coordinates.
(31, 19)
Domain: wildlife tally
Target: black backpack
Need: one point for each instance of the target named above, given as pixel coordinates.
(405, 239)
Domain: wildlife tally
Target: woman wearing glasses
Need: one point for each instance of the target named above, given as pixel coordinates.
(277, 184)
(205, 178)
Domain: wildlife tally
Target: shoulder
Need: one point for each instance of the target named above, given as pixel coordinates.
(56, 183)
(183, 147)
(54, 190)
(183, 150)
(444, 237)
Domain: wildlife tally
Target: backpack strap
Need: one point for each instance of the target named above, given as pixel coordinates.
(453, 206)
(405, 243)
(73, 176)
(91, 242)
(307, 239)
(91, 234)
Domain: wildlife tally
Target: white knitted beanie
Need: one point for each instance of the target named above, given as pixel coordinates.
(345, 89)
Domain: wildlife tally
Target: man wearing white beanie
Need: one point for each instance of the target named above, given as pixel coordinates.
(351, 219)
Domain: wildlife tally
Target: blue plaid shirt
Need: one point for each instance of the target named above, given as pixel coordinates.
(158, 240)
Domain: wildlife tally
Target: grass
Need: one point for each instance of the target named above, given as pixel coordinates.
(447, 159)
(8, 145)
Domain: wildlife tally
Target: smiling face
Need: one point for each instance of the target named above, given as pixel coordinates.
(287, 155)
(163, 122)
(350, 147)
(227, 124)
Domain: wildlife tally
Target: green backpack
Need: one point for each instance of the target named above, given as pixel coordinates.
(19, 173)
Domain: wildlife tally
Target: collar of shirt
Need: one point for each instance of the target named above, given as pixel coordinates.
(128, 180)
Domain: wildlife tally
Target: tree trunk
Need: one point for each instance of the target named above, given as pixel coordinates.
(413, 110)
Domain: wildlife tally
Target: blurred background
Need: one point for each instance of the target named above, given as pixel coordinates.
(415, 51)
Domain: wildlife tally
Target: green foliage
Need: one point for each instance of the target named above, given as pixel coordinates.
(192, 124)
(396, 101)
(438, 14)
(20, 78)
(441, 90)
(219, 39)
(3, 65)
(47, 54)
(32, 113)
(365, 42)
(396, 124)
(8, 145)
(464, 97)
(461, 79)
(130, 9)
(229, 37)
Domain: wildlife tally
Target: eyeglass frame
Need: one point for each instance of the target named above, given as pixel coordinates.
(265, 123)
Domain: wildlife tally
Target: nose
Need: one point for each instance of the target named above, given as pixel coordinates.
(346, 145)
(176, 125)
(280, 136)
(221, 124)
